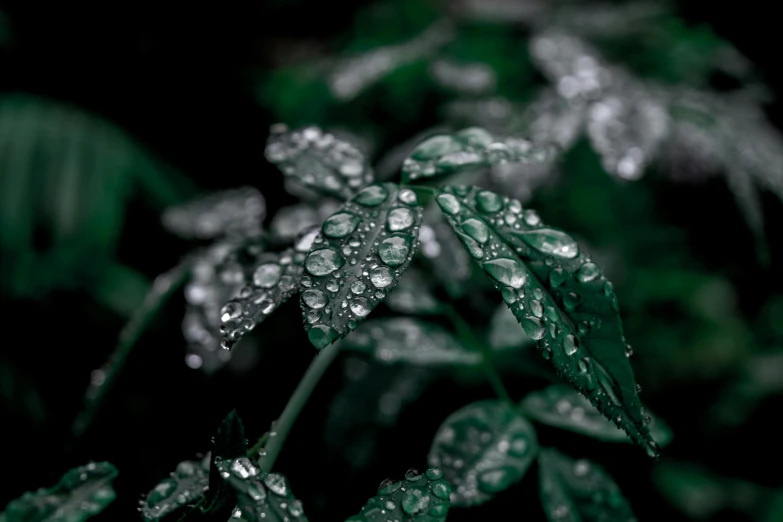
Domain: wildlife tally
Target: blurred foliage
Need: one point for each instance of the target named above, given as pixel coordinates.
(81, 198)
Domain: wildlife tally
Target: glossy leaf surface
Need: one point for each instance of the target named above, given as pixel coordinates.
(420, 497)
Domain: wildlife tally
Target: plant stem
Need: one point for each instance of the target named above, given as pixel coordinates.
(464, 331)
(296, 402)
(104, 378)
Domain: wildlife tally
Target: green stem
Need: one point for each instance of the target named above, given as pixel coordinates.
(466, 334)
(296, 402)
(105, 377)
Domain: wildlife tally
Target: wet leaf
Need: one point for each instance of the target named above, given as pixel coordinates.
(81, 493)
(419, 497)
(564, 407)
(560, 297)
(443, 253)
(268, 280)
(411, 341)
(483, 449)
(236, 212)
(318, 160)
(229, 443)
(412, 295)
(260, 496)
(467, 149)
(172, 496)
(358, 257)
(372, 397)
(290, 221)
(504, 331)
(579, 490)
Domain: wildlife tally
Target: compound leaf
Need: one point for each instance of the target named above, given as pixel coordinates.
(81, 493)
(579, 490)
(358, 257)
(483, 449)
(418, 498)
(560, 297)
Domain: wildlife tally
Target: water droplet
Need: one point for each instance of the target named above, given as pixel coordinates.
(415, 501)
(476, 229)
(570, 344)
(495, 480)
(413, 475)
(372, 196)
(360, 306)
(475, 136)
(408, 197)
(441, 490)
(537, 308)
(531, 218)
(434, 474)
(571, 300)
(358, 287)
(314, 298)
(394, 250)
(230, 311)
(341, 224)
(435, 147)
(276, 484)
(332, 286)
(381, 277)
(455, 160)
(518, 447)
(295, 508)
(508, 271)
(587, 272)
(267, 275)
(306, 239)
(628, 350)
(488, 202)
(534, 328)
(243, 468)
(321, 335)
(388, 486)
(399, 219)
(557, 277)
(550, 241)
(449, 204)
(323, 262)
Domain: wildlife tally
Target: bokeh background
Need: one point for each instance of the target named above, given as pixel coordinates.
(111, 113)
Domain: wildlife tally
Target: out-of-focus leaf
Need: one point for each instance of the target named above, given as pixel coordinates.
(288, 222)
(372, 397)
(318, 160)
(566, 408)
(468, 149)
(19, 394)
(411, 341)
(229, 443)
(560, 297)
(261, 496)
(121, 289)
(443, 254)
(186, 485)
(579, 490)
(421, 497)
(358, 257)
(504, 330)
(269, 279)
(483, 449)
(234, 212)
(81, 493)
(412, 295)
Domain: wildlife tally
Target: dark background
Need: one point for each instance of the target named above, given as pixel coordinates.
(182, 80)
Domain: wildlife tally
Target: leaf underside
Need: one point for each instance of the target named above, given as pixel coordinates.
(558, 294)
(579, 490)
(420, 497)
(81, 493)
(358, 257)
(483, 449)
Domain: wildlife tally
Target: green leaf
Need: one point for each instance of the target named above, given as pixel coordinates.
(169, 499)
(81, 493)
(260, 496)
(467, 149)
(504, 331)
(358, 257)
(418, 498)
(558, 294)
(443, 254)
(411, 341)
(318, 160)
(270, 279)
(412, 295)
(483, 449)
(579, 490)
(564, 407)
(229, 443)
(235, 212)
(289, 221)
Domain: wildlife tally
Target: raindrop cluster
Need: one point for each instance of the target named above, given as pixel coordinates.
(559, 296)
(358, 257)
(234, 212)
(185, 485)
(483, 449)
(318, 160)
(404, 339)
(420, 496)
(260, 496)
(569, 485)
(267, 281)
(470, 148)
